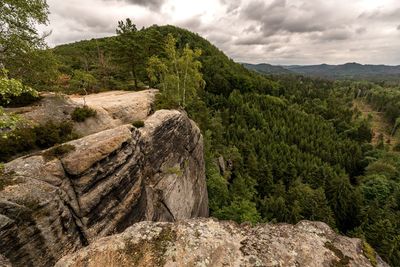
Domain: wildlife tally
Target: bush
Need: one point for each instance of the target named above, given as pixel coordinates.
(81, 114)
(163, 102)
(51, 133)
(25, 139)
(138, 124)
(19, 101)
(396, 147)
(18, 141)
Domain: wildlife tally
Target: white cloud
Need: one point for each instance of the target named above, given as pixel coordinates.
(273, 31)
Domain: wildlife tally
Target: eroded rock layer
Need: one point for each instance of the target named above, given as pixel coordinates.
(61, 199)
(206, 242)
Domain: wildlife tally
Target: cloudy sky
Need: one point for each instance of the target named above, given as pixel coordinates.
(272, 31)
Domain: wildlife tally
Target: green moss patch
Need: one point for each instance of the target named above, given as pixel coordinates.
(370, 253)
(138, 124)
(154, 249)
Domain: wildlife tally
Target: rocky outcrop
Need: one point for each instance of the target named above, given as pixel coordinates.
(113, 108)
(206, 242)
(59, 200)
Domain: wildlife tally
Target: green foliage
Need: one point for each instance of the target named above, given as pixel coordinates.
(138, 124)
(25, 138)
(369, 252)
(178, 74)
(21, 48)
(240, 211)
(52, 133)
(176, 170)
(80, 114)
(82, 82)
(11, 89)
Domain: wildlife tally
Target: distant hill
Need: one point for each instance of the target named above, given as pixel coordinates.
(351, 71)
(267, 68)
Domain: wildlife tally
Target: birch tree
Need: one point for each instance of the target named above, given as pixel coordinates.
(178, 74)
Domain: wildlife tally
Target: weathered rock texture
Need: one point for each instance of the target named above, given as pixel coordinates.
(53, 205)
(205, 242)
(113, 109)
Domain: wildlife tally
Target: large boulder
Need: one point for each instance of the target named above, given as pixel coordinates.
(59, 200)
(206, 242)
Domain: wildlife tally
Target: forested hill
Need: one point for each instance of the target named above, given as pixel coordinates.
(277, 149)
(348, 71)
(113, 63)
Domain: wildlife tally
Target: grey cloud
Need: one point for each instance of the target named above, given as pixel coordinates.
(232, 6)
(398, 28)
(335, 35)
(279, 16)
(381, 15)
(262, 40)
(192, 23)
(152, 4)
(361, 30)
(253, 40)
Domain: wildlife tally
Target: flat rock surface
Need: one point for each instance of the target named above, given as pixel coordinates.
(207, 242)
(114, 108)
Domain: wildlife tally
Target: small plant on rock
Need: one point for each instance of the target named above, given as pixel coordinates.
(138, 124)
(80, 114)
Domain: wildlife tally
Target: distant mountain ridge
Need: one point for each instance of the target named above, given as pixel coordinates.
(264, 68)
(351, 71)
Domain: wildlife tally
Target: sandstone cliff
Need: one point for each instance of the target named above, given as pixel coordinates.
(206, 242)
(59, 200)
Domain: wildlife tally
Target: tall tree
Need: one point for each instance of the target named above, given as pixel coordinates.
(18, 33)
(129, 45)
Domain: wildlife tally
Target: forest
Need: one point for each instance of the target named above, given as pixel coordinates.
(277, 148)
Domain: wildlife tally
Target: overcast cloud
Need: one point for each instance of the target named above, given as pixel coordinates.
(271, 31)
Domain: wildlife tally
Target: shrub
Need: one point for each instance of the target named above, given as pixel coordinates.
(51, 133)
(12, 89)
(19, 101)
(19, 140)
(25, 139)
(396, 147)
(138, 124)
(80, 114)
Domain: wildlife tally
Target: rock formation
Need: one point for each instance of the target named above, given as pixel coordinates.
(206, 242)
(114, 108)
(59, 200)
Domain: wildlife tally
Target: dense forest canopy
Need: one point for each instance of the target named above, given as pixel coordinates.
(277, 149)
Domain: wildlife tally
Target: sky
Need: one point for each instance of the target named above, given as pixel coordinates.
(278, 32)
